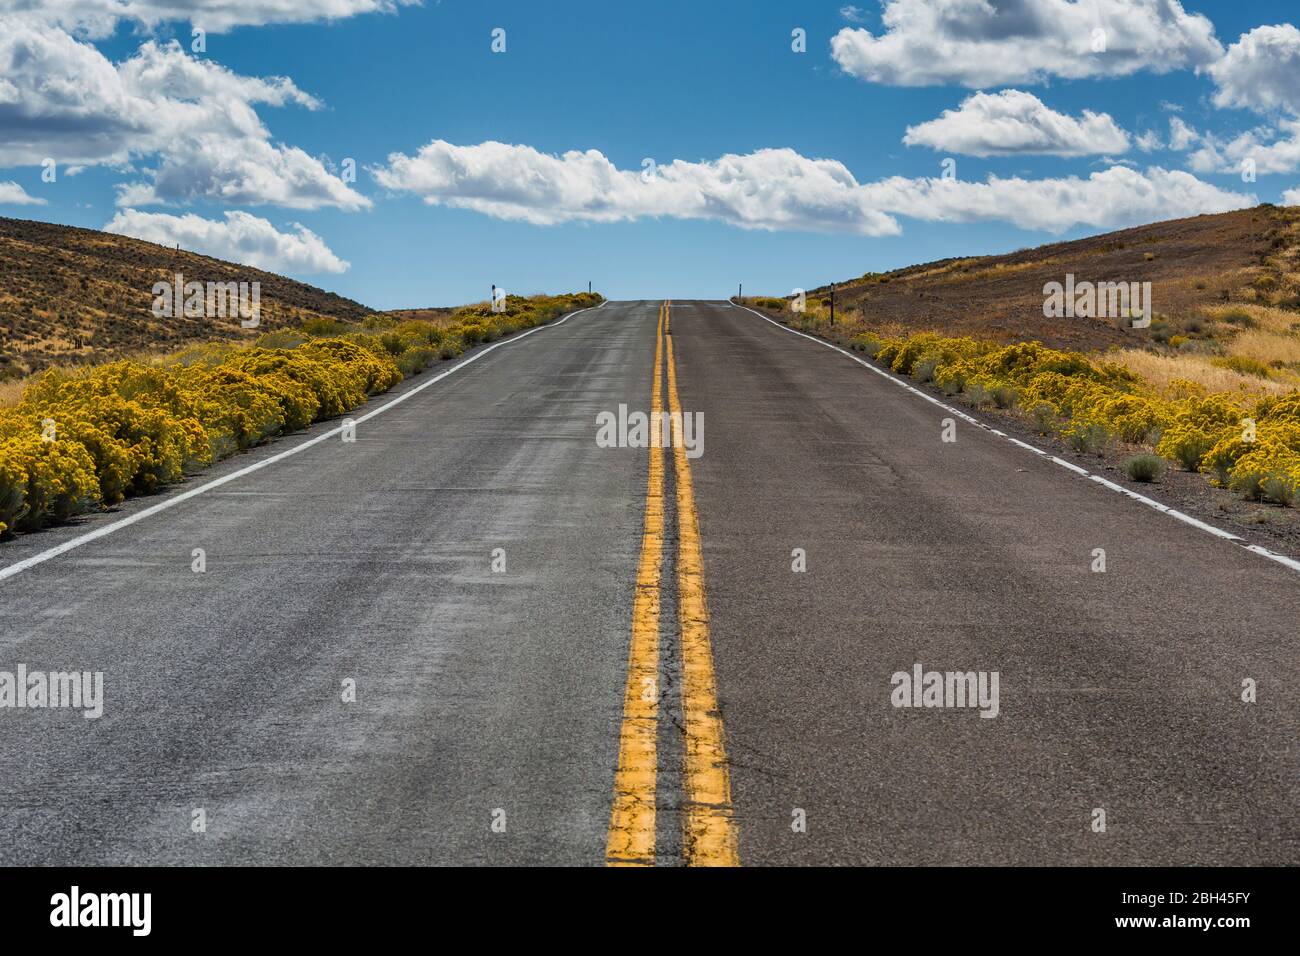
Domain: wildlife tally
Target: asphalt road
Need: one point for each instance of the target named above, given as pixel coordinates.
(493, 708)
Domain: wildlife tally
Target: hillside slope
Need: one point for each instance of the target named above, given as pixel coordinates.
(70, 295)
(1246, 256)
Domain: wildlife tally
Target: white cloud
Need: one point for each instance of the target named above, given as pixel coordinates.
(767, 189)
(852, 14)
(1014, 122)
(241, 237)
(778, 189)
(1111, 198)
(980, 43)
(1272, 151)
(248, 172)
(1181, 136)
(1291, 197)
(98, 18)
(1261, 71)
(13, 194)
(61, 98)
(1148, 141)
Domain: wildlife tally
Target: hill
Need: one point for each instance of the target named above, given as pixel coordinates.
(70, 296)
(1195, 266)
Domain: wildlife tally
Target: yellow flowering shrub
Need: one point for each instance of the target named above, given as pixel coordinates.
(1279, 408)
(43, 480)
(140, 428)
(1270, 472)
(1090, 403)
(83, 439)
(1243, 461)
(905, 357)
(13, 485)
(331, 393)
(360, 367)
(239, 410)
(1134, 418)
(1197, 426)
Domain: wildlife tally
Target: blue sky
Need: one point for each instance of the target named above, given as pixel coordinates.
(691, 82)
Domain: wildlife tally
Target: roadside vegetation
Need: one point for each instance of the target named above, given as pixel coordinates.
(1241, 430)
(1213, 387)
(77, 440)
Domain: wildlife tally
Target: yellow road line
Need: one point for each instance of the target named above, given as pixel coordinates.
(708, 829)
(631, 839)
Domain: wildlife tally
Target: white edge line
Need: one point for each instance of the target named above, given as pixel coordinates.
(1104, 482)
(20, 566)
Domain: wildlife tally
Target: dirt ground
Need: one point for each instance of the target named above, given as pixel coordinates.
(1240, 256)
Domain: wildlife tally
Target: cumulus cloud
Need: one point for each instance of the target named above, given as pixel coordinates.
(1014, 122)
(248, 172)
(1148, 141)
(240, 237)
(1111, 198)
(63, 99)
(1291, 197)
(1270, 151)
(766, 189)
(14, 195)
(1181, 136)
(1261, 71)
(99, 18)
(978, 43)
(778, 189)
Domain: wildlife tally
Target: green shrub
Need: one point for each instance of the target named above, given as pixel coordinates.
(415, 360)
(1144, 467)
(1280, 488)
(1086, 437)
(325, 327)
(1044, 418)
(281, 339)
(1186, 445)
(1004, 396)
(1242, 364)
(868, 344)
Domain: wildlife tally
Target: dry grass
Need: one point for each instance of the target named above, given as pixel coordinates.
(1271, 334)
(11, 391)
(1266, 347)
(1003, 268)
(1160, 371)
(1268, 318)
(75, 296)
(1199, 262)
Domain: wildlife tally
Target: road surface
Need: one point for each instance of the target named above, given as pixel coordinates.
(562, 653)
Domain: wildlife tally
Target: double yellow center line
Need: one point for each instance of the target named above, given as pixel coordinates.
(708, 828)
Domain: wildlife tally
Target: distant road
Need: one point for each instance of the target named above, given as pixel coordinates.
(571, 654)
